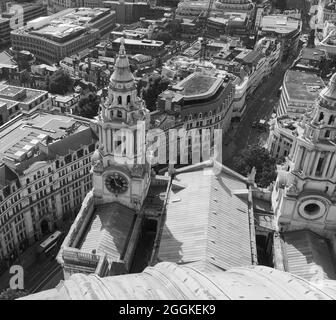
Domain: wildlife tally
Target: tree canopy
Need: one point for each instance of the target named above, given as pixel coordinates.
(155, 86)
(164, 36)
(88, 105)
(60, 82)
(11, 294)
(258, 157)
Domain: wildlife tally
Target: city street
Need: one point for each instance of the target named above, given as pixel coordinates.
(44, 276)
(260, 106)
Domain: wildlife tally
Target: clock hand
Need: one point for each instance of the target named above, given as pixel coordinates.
(115, 182)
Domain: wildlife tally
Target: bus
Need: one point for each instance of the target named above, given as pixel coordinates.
(45, 249)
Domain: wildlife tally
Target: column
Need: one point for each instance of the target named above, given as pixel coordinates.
(333, 170)
(332, 165)
(3, 244)
(326, 163)
(100, 134)
(105, 140)
(109, 138)
(298, 158)
(16, 241)
(307, 161)
(316, 159)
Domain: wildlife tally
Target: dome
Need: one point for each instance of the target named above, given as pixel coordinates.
(197, 281)
(328, 94)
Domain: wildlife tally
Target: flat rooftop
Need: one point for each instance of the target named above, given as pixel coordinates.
(312, 54)
(20, 94)
(65, 23)
(197, 86)
(279, 24)
(302, 85)
(149, 43)
(20, 137)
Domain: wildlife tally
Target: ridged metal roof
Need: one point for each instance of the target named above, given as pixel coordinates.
(207, 221)
(108, 230)
(307, 255)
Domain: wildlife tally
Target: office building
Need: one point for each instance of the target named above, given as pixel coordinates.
(44, 175)
(52, 38)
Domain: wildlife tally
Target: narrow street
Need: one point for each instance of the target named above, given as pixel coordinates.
(259, 106)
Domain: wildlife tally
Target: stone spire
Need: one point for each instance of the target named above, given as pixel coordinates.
(122, 73)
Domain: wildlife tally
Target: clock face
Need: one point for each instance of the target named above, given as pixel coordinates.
(116, 183)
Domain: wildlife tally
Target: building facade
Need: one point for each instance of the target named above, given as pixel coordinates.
(235, 5)
(286, 29)
(299, 90)
(45, 175)
(304, 193)
(50, 43)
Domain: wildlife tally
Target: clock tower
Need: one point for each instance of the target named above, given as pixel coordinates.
(120, 169)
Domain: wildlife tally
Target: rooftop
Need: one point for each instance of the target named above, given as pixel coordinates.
(198, 85)
(108, 231)
(144, 42)
(307, 255)
(66, 23)
(215, 213)
(302, 86)
(20, 94)
(19, 140)
(6, 60)
(279, 24)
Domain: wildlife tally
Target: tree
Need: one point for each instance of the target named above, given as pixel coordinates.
(60, 82)
(164, 36)
(281, 4)
(88, 106)
(25, 77)
(258, 157)
(11, 294)
(155, 86)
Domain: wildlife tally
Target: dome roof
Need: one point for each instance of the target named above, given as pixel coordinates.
(122, 72)
(191, 281)
(327, 97)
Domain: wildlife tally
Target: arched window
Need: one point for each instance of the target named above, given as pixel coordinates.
(321, 116)
(119, 114)
(27, 181)
(331, 119)
(119, 100)
(200, 116)
(128, 99)
(210, 114)
(190, 117)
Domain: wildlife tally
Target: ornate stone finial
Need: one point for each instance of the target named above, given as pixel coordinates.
(171, 169)
(251, 176)
(122, 46)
